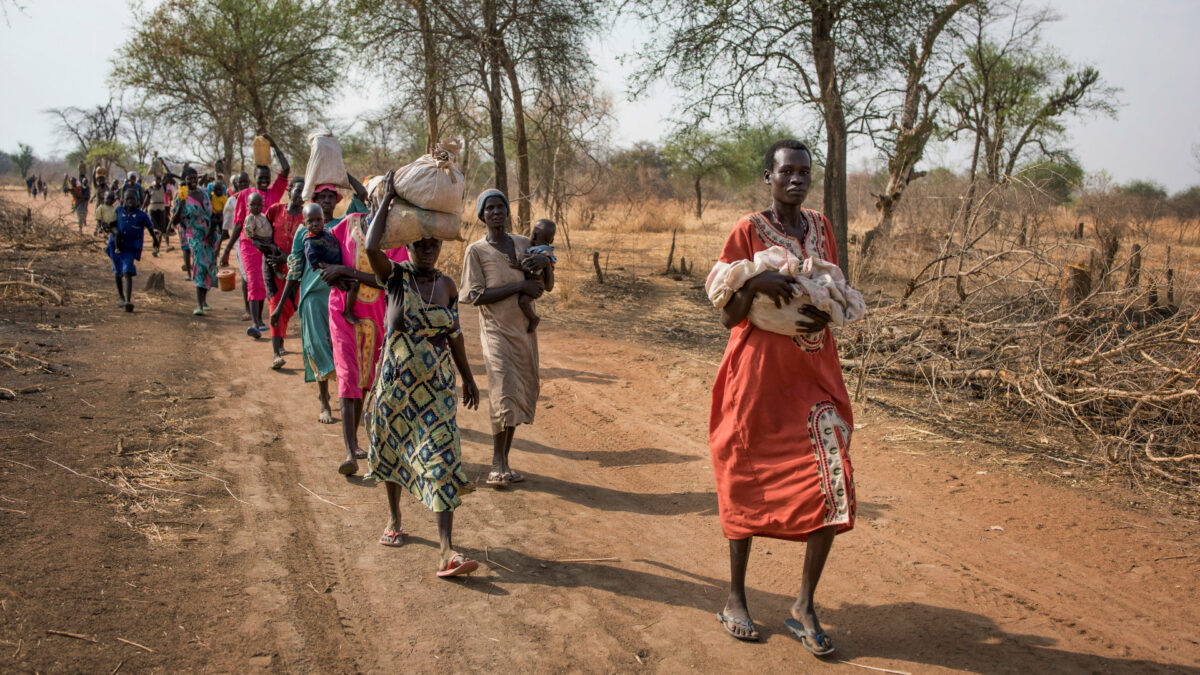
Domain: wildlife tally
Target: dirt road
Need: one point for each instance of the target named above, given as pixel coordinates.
(204, 543)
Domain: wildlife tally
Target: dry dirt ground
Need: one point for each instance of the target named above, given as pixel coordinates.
(168, 503)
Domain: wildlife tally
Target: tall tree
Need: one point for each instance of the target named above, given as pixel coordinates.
(1013, 94)
(697, 154)
(538, 43)
(732, 56)
(235, 64)
(925, 65)
(23, 160)
(100, 124)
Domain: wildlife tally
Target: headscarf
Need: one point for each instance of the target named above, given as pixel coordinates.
(483, 197)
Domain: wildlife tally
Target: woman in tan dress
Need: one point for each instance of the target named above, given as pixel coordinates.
(494, 278)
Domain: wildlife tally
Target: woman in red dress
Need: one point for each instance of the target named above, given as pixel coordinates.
(780, 424)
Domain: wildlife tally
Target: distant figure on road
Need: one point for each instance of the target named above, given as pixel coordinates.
(780, 425)
(126, 237)
(79, 201)
(193, 214)
(251, 259)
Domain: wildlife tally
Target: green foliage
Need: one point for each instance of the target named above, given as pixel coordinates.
(108, 153)
(1144, 189)
(1057, 180)
(1014, 96)
(23, 160)
(1186, 203)
(235, 68)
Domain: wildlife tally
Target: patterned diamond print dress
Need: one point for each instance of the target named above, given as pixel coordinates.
(412, 407)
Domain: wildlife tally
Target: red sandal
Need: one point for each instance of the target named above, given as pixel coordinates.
(458, 564)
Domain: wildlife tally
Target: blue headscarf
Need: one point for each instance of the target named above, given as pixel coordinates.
(483, 197)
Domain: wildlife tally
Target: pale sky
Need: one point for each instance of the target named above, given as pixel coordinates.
(57, 54)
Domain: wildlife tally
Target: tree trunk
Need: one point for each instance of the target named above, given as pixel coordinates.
(883, 227)
(514, 85)
(430, 87)
(1135, 267)
(824, 55)
(699, 200)
(495, 97)
(671, 253)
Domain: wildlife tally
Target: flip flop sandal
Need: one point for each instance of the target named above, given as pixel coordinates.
(728, 623)
(818, 643)
(514, 477)
(497, 480)
(458, 564)
(348, 467)
(393, 538)
(198, 312)
(277, 363)
(360, 454)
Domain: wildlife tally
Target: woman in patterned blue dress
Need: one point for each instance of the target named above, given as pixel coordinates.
(412, 408)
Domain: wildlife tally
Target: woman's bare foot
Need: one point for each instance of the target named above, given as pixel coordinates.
(326, 415)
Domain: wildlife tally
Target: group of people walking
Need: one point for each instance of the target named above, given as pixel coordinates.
(384, 325)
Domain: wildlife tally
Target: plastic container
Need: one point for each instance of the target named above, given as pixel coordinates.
(183, 192)
(262, 151)
(227, 280)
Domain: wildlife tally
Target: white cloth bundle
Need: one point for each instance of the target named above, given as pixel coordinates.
(816, 282)
(433, 182)
(325, 164)
(407, 223)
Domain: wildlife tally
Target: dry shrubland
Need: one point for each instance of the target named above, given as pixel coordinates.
(1085, 349)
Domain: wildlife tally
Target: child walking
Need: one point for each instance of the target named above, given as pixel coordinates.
(125, 246)
(262, 234)
(106, 213)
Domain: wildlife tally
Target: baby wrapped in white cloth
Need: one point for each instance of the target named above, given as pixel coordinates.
(815, 282)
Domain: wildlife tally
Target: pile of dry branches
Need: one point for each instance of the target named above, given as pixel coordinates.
(1058, 334)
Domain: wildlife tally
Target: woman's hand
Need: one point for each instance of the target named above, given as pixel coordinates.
(225, 259)
(532, 288)
(775, 286)
(814, 322)
(389, 186)
(331, 274)
(274, 318)
(535, 263)
(470, 394)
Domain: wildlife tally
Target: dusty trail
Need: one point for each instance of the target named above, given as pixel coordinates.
(617, 467)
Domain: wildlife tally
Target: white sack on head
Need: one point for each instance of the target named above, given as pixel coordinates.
(407, 223)
(815, 282)
(325, 164)
(433, 182)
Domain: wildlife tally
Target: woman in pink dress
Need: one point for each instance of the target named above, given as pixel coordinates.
(356, 347)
